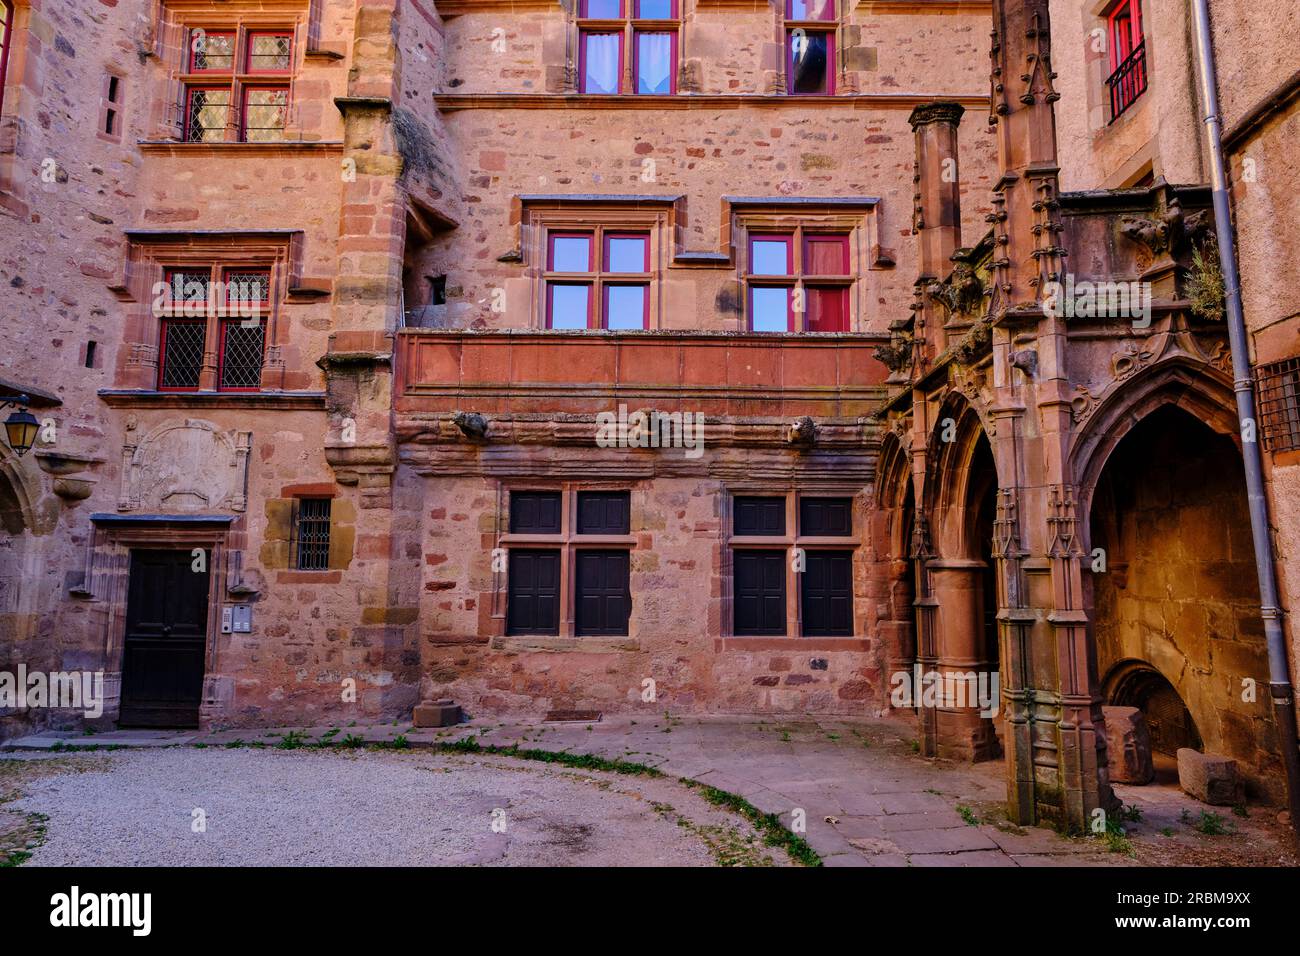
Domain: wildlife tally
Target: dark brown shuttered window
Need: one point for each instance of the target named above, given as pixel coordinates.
(759, 516)
(533, 591)
(604, 600)
(312, 533)
(603, 512)
(826, 517)
(534, 512)
(760, 592)
(827, 586)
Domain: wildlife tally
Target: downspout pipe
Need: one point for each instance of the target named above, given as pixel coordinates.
(1279, 671)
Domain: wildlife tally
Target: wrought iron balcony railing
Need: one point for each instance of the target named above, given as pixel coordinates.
(1128, 82)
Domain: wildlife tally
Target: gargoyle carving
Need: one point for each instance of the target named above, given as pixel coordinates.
(961, 293)
(472, 424)
(803, 431)
(977, 340)
(897, 355)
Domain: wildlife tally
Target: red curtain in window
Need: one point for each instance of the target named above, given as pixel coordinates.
(828, 310)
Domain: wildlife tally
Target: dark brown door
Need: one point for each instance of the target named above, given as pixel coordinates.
(166, 631)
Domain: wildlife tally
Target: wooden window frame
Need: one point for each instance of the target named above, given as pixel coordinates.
(597, 280)
(787, 24)
(240, 78)
(797, 238)
(1135, 33)
(215, 320)
(569, 541)
(792, 538)
(627, 25)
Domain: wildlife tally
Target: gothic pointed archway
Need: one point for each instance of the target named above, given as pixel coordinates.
(962, 580)
(1175, 598)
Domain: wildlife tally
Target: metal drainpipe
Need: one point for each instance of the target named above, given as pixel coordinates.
(1243, 385)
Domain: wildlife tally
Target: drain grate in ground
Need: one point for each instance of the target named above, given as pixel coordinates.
(581, 716)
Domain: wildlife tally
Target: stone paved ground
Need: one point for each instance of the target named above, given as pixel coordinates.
(867, 798)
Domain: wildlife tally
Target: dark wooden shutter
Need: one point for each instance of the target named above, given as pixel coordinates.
(759, 598)
(534, 512)
(604, 512)
(604, 599)
(758, 516)
(827, 588)
(533, 591)
(826, 517)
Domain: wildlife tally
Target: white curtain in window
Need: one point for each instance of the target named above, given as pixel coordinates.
(654, 62)
(602, 63)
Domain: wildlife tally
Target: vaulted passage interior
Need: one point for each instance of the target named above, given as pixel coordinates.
(1176, 610)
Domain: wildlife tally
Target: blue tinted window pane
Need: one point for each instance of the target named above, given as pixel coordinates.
(601, 62)
(602, 9)
(626, 255)
(654, 62)
(812, 9)
(770, 312)
(808, 72)
(569, 306)
(770, 258)
(626, 307)
(654, 9)
(571, 254)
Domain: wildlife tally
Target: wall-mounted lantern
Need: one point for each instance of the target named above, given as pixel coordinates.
(21, 426)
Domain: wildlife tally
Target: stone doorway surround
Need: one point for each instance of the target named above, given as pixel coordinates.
(105, 586)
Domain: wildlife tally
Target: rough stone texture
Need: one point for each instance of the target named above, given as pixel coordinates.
(382, 190)
(1128, 745)
(1210, 778)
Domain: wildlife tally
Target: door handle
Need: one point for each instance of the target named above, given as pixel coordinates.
(167, 630)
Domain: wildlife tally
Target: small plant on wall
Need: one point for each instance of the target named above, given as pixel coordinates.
(1205, 288)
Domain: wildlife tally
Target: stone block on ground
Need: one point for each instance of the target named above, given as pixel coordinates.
(1210, 778)
(436, 713)
(1128, 745)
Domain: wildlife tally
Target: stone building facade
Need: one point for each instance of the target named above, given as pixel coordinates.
(352, 320)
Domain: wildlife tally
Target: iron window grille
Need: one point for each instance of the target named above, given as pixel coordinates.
(1279, 404)
(182, 353)
(312, 534)
(236, 85)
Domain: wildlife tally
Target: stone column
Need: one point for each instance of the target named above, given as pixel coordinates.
(962, 733)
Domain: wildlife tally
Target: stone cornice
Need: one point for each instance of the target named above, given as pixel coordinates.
(167, 147)
(279, 401)
(454, 102)
(914, 7)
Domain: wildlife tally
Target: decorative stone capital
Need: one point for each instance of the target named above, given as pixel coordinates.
(941, 112)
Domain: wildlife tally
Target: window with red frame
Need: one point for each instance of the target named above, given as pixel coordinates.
(1128, 63)
(237, 305)
(798, 282)
(810, 47)
(237, 85)
(598, 279)
(608, 29)
(6, 35)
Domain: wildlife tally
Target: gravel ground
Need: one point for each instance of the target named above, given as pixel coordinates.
(354, 808)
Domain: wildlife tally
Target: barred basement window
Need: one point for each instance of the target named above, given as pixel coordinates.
(1279, 404)
(312, 534)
